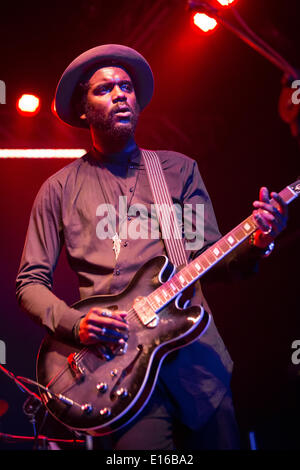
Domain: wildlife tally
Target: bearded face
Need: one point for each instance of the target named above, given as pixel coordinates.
(111, 108)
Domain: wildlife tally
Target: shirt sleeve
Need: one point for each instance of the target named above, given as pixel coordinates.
(34, 283)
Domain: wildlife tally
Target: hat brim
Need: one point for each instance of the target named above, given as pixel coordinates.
(110, 54)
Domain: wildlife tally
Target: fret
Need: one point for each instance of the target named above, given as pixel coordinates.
(204, 261)
(187, 274)
(248, 225)
(176, 282)
(173, 287)
(239, 233)
(231, 239)
(165, 293)
(168, 289)
(244, 229)
(210, 256)
(288, 194)
(198, 266)
(152, 302)
(217, 251)
(224, 245)
(193, 271)
(182, 280)
(158, 299)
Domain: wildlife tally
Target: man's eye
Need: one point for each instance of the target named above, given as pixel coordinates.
(126, 87)
(102, 90)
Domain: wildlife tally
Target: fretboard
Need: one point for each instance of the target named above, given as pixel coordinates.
(209, 258)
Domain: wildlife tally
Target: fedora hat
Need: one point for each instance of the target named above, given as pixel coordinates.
(106, 55)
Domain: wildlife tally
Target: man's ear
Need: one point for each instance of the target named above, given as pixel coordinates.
(79, 99)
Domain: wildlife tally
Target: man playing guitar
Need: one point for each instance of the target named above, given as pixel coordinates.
(104, 90)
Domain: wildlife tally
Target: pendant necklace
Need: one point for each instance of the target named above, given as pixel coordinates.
(116, 240)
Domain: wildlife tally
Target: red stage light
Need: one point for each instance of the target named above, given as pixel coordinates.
(42, 153)
(226, 3)
(28, 104)
(53, 108)
(204, 22)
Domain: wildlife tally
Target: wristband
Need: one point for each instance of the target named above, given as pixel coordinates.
(269, 250)
(75, 330)
(265, 251)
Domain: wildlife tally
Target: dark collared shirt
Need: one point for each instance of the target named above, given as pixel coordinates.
(67, 210)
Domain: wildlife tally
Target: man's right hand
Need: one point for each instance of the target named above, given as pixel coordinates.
(103, 326)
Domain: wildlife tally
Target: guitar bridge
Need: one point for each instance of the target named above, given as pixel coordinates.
(76, 368)
(146, 314)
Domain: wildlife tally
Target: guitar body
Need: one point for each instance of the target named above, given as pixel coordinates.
(105, 388)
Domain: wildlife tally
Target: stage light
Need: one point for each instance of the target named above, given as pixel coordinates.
(53, 107)
(28, 104)
(204, 22)
(42, 153)
(226, 3)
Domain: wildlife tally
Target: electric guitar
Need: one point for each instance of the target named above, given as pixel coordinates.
(99, 389)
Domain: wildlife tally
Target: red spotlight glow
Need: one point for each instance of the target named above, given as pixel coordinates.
(226, 3)
(42, 153)
(53, 108)
(204, 22)
(28, 104)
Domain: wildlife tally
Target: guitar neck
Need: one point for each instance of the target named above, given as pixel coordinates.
(213, 255)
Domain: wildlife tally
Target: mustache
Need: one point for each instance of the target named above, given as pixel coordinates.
(121, 108)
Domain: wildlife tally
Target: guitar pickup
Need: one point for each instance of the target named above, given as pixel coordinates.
(75, 367)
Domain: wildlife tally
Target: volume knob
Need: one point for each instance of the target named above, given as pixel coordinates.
(122, 393)
(105, 412)
(102, 387)
(87, 408)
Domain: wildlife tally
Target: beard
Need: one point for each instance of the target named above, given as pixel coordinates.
(108, 126)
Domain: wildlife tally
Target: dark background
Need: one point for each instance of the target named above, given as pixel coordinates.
(215, 100)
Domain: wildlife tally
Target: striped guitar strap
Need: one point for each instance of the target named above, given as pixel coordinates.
(165, 210)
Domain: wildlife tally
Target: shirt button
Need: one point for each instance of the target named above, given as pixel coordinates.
(131, 190)
(125, 243)
(118, 272)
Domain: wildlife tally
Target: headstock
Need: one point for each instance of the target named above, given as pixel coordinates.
(295, 186)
